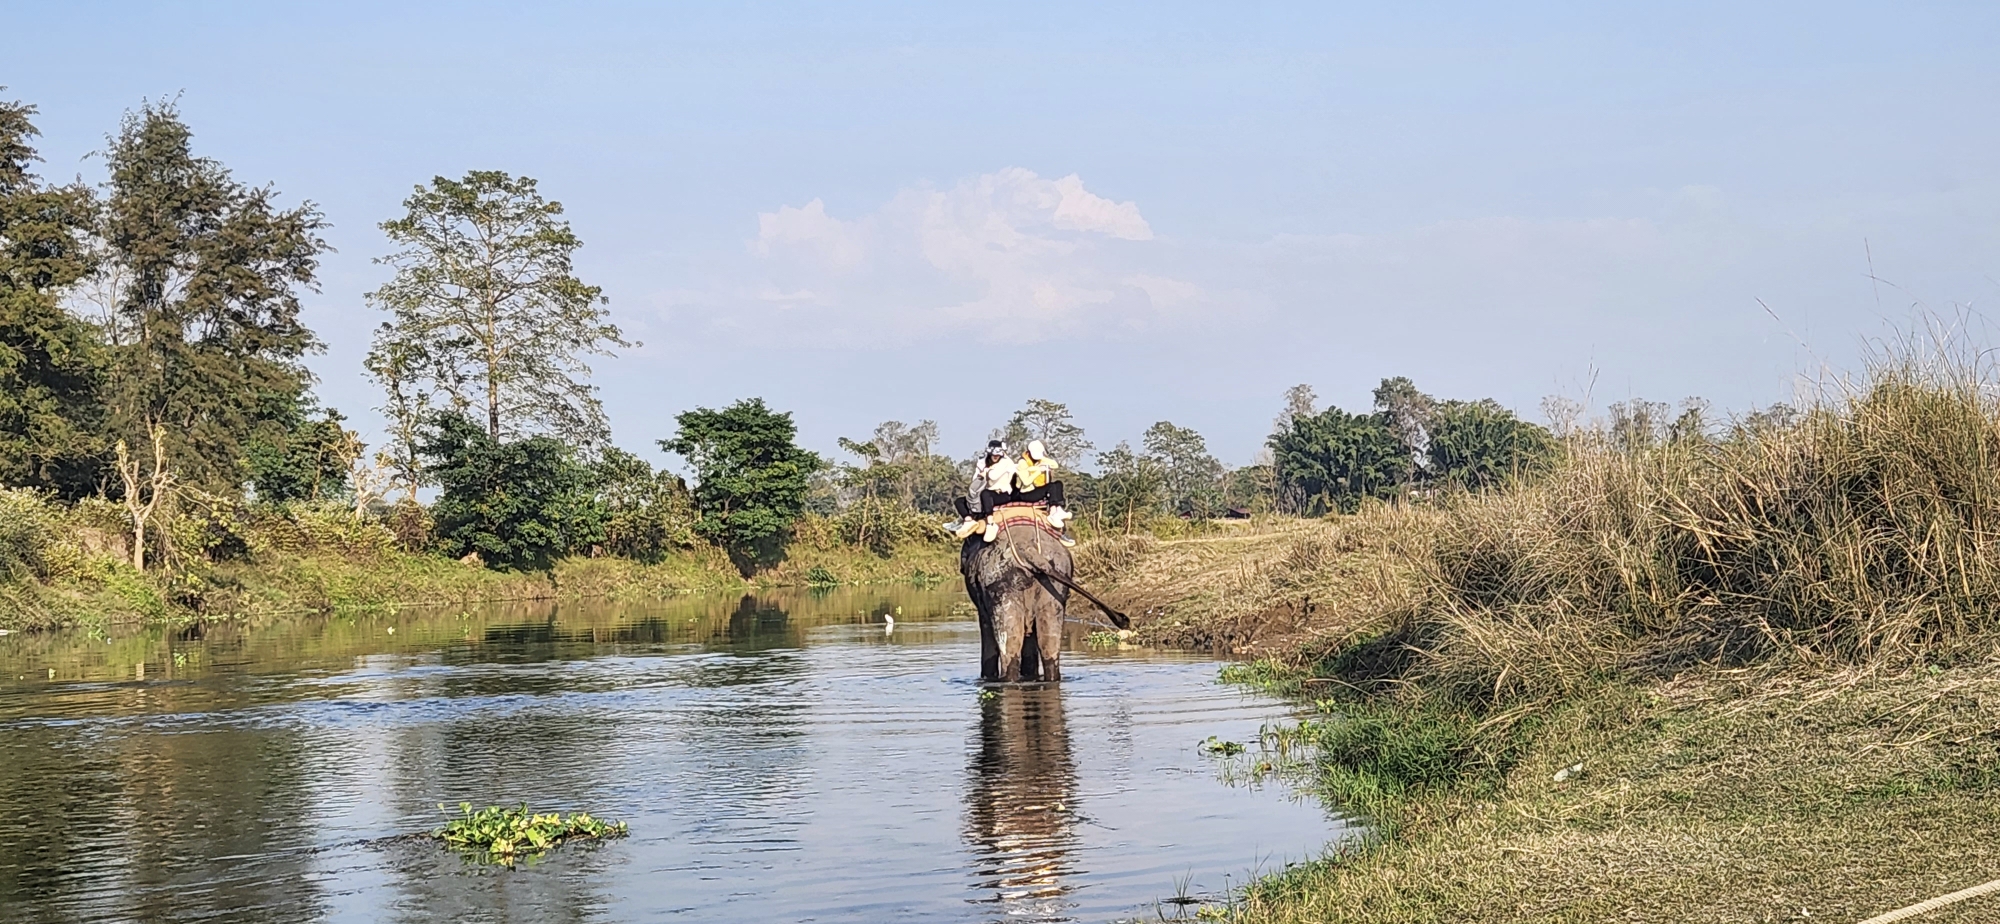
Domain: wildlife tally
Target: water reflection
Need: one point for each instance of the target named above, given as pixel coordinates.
(1020, 807)
(779, 757)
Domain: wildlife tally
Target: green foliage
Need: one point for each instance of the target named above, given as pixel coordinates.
(51, 364)
(1130, 489)
(302, 458)
(519, 504)
(488, 314)
(897, 462)
(820, 576)
(1331, 460)
(1191, 478)
(648, 513)
(27, 527)
(505, 835)
(1479, 444)
(751, 476)
(204, 323)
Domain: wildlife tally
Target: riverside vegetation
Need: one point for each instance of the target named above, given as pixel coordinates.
(1743, 673)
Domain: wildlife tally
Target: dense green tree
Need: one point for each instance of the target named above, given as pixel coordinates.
(1479, 444)
(303, 458)
(204, 277)
(751, 477)
(519, 504)
(1192, 479)
(1050, 422)
(1333, 459)
(51, 363)
(487, 313)
(648, 513)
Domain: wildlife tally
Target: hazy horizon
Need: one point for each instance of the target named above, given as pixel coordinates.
(1147, 212)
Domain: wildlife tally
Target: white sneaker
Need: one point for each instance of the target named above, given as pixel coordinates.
(992, 531)
(1057, 517)
(953, 526)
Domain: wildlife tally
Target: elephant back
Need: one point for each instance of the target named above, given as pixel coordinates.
(1026, 543)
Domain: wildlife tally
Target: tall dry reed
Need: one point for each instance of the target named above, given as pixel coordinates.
(1865, 532)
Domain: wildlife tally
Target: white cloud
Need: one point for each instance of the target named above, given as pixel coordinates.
(1007, 256)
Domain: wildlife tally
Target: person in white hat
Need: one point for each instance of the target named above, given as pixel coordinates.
(1035, 483)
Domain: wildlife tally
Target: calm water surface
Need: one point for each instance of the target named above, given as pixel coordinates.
(780, 758)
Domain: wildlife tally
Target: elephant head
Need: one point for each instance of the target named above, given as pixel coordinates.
(1020, 585)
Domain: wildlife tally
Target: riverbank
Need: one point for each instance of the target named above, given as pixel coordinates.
(1750, 677)
(72, 573)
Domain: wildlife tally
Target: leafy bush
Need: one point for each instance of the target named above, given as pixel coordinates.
(27, 529)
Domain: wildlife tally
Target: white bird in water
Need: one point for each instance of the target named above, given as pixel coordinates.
(889, 623)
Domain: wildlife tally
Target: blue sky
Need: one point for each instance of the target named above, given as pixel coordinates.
(1151, 211)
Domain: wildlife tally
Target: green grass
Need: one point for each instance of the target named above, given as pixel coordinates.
(506, 835)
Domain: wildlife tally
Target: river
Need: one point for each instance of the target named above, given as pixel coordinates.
(790, 756)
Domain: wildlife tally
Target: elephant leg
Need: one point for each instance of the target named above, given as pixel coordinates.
(989, 642)
(1031, 654)
(1011, 626)
(1048, 637)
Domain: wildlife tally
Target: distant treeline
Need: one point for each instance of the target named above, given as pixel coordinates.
(152, 360)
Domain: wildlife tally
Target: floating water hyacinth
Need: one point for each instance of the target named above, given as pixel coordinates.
(503, 835)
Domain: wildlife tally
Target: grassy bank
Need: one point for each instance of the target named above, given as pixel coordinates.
(67, 566)
(1770, 649)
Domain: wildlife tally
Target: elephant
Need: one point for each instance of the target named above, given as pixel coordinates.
(1020, 584)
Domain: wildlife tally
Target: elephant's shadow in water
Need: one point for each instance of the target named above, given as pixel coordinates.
(1021, 804)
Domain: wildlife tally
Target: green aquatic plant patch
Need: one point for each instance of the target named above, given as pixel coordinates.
(504, 835)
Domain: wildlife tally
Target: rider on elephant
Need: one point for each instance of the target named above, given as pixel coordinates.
(1035, 483)
(992, 476)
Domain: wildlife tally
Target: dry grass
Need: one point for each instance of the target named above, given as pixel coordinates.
(1773, 649)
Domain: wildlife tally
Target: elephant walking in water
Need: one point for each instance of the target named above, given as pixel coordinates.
(1020, 584)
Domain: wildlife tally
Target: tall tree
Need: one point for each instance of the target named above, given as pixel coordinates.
(1299, 402)
(1192, 478)
(1132, 487)
(1408, 413)
(1050, 422)
(204, 319)
(487, 312)
(51, 363)
(751, 477)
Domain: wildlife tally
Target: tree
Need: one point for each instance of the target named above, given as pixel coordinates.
(488, 314)
(751, 477)
(897, 463)
(1192, 477)
(204, 318)
(1299, 402)
(1131, 488)
(1408, 413)
(1051, 423)
(648, 513)
(1479, 444)
(1332, 459)
(517, 504)
(1638, 424)
(51, 363)
(145, 488)
(307, 460)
